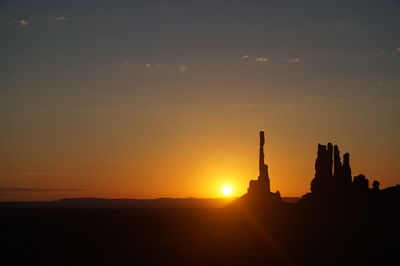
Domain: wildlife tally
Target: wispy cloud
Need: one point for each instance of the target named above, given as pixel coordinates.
(151, 66)
(383, 53)
(172, 67)
(23, 189)
(395, 51)
(55, 19)
(261, 59)
(256, 59)
(354, 25)
(21, 22)
(60, 18)
(342, 23)
(127, 65)
(34, 173)
(294, 60)
(183, 68)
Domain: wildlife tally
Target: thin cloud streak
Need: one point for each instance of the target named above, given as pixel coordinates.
(259, 59)
(22, 189)
(56, 19)
(34, 173)
(389, 53)
(294, 60)
(21, 22)
(61, 18)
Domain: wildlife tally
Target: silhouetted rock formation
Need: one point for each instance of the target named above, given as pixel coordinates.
(323, 169)
(339, 187)
(360, 183)
(328, 159)
(375, 185)
(259, 194)
(346, 170)
(337, 164)
(331, 187)
(262, 184)
(325, 183)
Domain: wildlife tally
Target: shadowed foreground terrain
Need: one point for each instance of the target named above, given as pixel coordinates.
(342, 221)
(196, 237)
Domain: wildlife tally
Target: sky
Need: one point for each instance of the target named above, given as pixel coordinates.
(148, 99)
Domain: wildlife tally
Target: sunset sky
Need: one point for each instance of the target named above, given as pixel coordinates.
(146, 99)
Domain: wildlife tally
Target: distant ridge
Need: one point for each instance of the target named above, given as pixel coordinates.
(102, 203)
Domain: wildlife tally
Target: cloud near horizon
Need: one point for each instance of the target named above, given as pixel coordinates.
(23, 189)
(183, 68)
(21, 22)
(294, 60)
(34, 173)
(56, 19)
(60, 18)
(395, 51)
(154, 67)
(260, 59)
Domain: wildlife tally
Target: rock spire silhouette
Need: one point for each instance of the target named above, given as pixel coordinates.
(262, 184)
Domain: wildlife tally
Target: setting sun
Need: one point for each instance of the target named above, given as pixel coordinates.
(226, 190)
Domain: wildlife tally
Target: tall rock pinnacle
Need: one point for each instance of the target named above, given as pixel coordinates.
(261, 156)
(262, 184)
(263, 178)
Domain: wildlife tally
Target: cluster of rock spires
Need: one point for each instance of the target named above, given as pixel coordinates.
(334, 177)
(332, 182)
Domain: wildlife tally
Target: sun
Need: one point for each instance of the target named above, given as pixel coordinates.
(226, 190)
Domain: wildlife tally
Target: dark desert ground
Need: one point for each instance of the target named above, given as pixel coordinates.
(197, 237)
